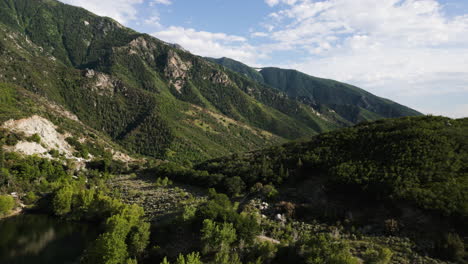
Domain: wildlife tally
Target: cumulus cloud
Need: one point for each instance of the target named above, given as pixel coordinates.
(276, 2)
(162, 2)
(209, 44)
(153, 21)
(272, 2)
(120, 10)
(259, 34)
(391, 47)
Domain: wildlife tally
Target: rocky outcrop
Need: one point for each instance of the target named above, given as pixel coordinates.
(220, 78)
(29, 148)
(177, 70)
(142, 47)
(102, 83)
(50, 138)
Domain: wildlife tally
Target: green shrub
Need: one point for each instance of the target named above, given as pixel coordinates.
(318, 249)
(217, 237)
(453, 248)
(30, 198)
(192, 258)
(54, 153)
(62, 201)
(163, 182)
(234, 185)
(12, 139)
(377, 255)
(7, 203)
(35, 138)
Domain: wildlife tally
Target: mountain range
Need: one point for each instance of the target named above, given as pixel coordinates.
(103, 124)
(156, 99)
(350, 102)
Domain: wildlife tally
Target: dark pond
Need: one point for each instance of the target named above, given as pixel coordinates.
(41, 239)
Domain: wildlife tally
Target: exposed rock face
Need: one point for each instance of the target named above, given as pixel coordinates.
(60, 110)
(220, 78)
(50, 138)
(139, 42)
(117, 155)
(142, 47)
(177, 70)
(103, 84)
(29, 148)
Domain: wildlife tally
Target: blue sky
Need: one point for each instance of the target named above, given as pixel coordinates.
(414, 52)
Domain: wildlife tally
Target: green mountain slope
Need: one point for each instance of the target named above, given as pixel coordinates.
(421, 160)
(146, 95)
(349, 102)
(411, 172)
(353, 103)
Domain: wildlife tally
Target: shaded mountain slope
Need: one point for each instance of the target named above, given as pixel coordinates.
(349, 102)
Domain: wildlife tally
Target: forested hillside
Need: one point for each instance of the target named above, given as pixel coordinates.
(421, 160)
(350, 103)
(408, 172)
(148, 96)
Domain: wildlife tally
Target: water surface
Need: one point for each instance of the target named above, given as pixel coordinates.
(41, 239)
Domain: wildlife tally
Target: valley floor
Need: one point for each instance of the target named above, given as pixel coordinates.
(163, 204)
(159, 202)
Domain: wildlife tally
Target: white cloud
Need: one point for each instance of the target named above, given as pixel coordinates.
(259, 34)
(393, 48)
(153, 21)
(459, 111)
(272, 2)
(162, 2)
(276, 2)
(210, 44)
(120, 10)
(454, 111)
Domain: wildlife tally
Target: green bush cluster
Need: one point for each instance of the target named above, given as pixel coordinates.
(163, 182)
(126, 233)
(125, 238)
(192, 258)
(7, 203)
(30, 173)
(182, 174)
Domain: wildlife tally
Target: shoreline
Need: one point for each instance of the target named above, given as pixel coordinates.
(17, 211)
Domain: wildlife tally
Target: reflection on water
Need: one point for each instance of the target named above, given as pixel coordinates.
(27, 239)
